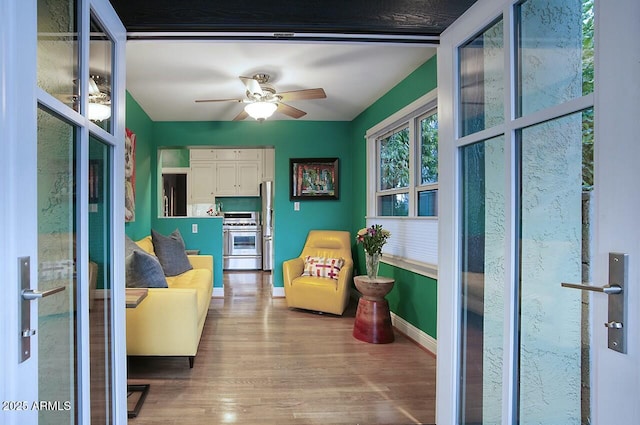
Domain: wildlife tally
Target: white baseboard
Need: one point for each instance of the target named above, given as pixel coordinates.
(421, 338)
(277, 291)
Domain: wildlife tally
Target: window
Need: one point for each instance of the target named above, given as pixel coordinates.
(402, 170)
(393, 151)
(408, 167)
(428, 188)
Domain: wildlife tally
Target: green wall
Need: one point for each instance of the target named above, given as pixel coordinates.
(208, 239)
(290, 139)
(413, 297)
(139, 122)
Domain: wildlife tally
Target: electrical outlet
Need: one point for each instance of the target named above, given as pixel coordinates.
(296, 206)
(194, 228)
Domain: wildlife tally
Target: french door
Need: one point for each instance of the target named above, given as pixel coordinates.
(538, 103)
(62, 307)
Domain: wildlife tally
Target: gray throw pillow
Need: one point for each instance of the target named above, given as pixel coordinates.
(130, 246)
(171, 252)
(144, 271)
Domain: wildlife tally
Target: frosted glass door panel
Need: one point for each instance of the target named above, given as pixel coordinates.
(482, 81)
(555, 51)
(57, 373)
(58, 50)
(552, 236)
(482, 245)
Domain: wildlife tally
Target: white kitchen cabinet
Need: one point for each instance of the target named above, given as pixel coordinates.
(224, 172)
(239, 154)
(249, 174)
(268, 164)
(203, 154)
(238, 178)
(202, 182)
(226, 176)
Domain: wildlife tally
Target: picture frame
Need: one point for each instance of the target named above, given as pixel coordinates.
(314, 179)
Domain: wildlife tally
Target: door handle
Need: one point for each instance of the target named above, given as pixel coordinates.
(607, 289)
(32, 294)
(617, 322)
(26, 295)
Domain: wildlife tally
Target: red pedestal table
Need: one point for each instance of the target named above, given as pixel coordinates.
(373, 319)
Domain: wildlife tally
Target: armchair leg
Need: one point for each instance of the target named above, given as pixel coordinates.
(191, 360)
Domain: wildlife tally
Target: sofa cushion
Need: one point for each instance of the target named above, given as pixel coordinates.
(322, 266)
(171, 252)
(144, 271)
(311, 282)
(198, 279)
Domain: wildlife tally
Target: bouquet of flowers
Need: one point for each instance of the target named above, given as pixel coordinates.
(373, 238)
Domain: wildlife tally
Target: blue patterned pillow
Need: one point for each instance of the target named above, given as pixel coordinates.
(171, 252)
(143, 271)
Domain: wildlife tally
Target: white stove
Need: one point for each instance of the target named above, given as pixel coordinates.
(242, 241)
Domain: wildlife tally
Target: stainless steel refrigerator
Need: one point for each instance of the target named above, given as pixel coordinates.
(266, 193)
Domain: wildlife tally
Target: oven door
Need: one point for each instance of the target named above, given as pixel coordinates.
(244, 242)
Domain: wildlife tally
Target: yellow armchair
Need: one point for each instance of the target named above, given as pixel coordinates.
(320, 293)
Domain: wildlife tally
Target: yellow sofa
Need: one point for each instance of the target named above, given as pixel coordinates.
(169, 321)
(320, 293)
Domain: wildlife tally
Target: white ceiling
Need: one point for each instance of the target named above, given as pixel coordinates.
(166, 77)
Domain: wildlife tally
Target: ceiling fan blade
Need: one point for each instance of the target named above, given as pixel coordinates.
(252, 86)
(303, 94)
(218, 100)
(242, 115)
(290, 110)
(93, 87)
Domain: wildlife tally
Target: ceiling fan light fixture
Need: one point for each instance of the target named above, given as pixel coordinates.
(99, 111)
(260, 110)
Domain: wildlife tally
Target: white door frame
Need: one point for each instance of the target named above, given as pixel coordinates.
(617, 104)
(616, 377)
(18, 209)
(19, 97)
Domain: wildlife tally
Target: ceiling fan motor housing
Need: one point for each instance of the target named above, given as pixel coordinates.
(263, 99)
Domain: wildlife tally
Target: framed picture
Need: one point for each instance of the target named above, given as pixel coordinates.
(129, 176)
(314, 178)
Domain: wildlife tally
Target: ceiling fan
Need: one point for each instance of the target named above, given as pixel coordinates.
(263, 100)
(99, 94)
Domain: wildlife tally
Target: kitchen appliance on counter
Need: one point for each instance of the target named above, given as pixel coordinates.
(242, 238)
(266, 193)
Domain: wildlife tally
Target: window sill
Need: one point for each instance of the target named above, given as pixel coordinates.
(424, 269)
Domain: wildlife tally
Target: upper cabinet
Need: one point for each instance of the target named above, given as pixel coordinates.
(225, 172)
(202, 154)
(202, 182)
(224, 154)
(268, 164)
(240, 178)
(239, 154)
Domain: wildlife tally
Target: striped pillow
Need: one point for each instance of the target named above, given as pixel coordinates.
(322, 267)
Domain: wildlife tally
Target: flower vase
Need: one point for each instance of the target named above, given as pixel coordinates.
(372, 261)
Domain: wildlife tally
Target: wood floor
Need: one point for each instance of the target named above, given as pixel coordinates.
(262, 363)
